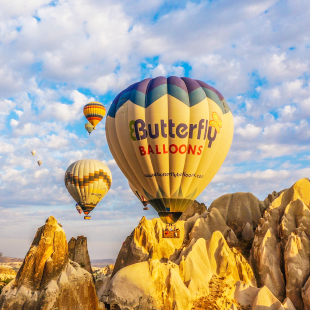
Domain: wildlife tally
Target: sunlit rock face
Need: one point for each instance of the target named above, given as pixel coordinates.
(281, 247)
(206, 275)
(168, 285)
(78, 252)
(48, 279)
(238, 209)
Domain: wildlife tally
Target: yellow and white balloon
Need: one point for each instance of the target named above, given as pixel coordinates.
(88, 181)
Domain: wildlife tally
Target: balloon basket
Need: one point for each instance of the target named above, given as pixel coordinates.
(171, 232)
(145, 208)
(87, 217)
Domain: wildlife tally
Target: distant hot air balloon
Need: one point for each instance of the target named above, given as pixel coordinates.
(169, 136)
(89, 127)
(139, 196)
(33, 152)
(94, 112)
(88, 181)
(39, 162)
(78, 208)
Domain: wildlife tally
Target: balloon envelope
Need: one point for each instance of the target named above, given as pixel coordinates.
(33, 152)
(94, 112)
(88, 181)
(78, 208)
(169, 136)
(89, 127)
(39, 162)
(139, 196)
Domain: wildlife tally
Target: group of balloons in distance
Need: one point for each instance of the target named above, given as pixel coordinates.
(39, 162)
(169, 137)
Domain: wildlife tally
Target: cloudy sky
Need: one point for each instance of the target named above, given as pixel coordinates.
(56, 56)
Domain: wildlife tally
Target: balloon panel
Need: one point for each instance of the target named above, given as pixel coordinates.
(139, 195)
(169, 137)
(94, 112)
(88, 181)
(89, 127)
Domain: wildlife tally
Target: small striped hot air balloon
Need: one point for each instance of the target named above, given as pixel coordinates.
(94, 112)
(88, 181)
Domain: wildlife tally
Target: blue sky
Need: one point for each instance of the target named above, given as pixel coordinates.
(56, 56)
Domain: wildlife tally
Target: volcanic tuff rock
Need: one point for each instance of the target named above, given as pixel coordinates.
(238, 209)
(48, 279)
(192, 209)
(207, 275)
(156, 285)
(271, 197)
(78, 252)
(281, 247)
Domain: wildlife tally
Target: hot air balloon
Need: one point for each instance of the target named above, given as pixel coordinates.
(33, 152)
(88, 181)
(169, 136)
(39, 162)
(139, 196)
(89, 127)
(94, 112)
(78, 208)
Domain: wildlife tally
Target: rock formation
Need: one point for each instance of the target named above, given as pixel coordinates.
(209, 267)
(48, 279)
(78, 252)
(270, 198)
(281, 247)
(238, 209)
(192, 209)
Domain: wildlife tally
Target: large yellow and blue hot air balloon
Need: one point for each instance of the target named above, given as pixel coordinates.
(94, 112)
(169, 136)
(88, 181)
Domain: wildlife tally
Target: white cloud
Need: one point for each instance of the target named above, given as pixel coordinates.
(249, 132)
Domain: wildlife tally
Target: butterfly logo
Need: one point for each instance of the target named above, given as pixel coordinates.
(216, 122)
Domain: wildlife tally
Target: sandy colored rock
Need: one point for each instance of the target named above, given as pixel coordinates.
(288, 305)
(78, 252)
(270, 198)
(149, 285)
(266, 300)
(247, 232)
(306, 295)
(72, 289)
(46, 258)
(297, 271)
(151, 282)
(146, 242)
(238, 209)
(192, 209)
(231, 237)
(204, 227)
(282, 242)
(48, 279)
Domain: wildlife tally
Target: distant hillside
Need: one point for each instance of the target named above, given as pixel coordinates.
(5, 260)
(100, 263)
